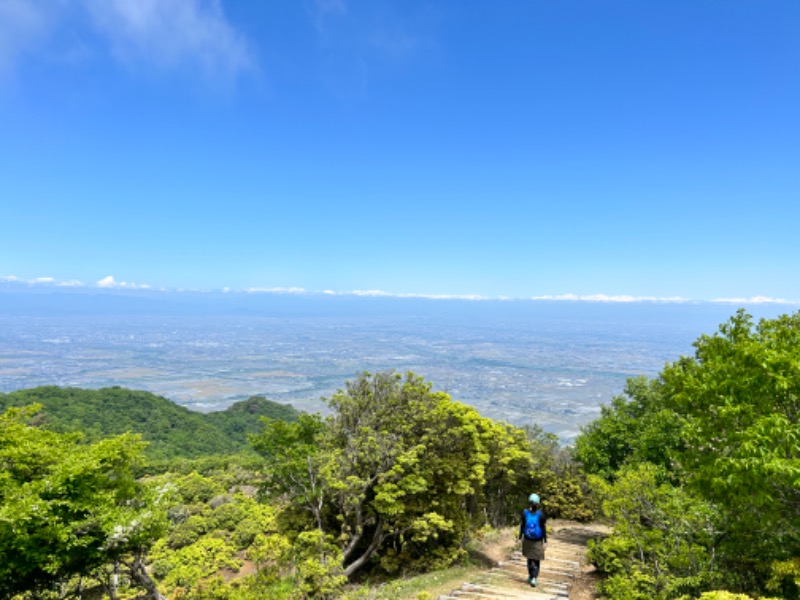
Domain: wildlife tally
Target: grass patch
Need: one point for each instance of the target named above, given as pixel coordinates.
(482, 552)
(416, 587)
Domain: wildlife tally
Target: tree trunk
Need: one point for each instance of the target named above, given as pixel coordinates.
(138, 572)
(351, 547)
(377, 538)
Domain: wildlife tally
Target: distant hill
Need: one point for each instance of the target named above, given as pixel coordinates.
(173, 431)
(243, 417)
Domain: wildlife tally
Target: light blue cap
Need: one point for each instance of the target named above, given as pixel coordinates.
(533, 498)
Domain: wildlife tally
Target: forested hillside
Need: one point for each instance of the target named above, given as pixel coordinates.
(697, 469)
(171, 430)
(396, 480)
(700, 469)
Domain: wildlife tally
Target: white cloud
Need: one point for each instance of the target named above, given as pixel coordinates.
(383, 294)
(276, 290)
(110, 283)
(375, 293)
(755, 300)
(173, 33)
(607, 298)
(107, 282)
(46, 281)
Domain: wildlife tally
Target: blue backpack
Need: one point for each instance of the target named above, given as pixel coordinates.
(533, 528)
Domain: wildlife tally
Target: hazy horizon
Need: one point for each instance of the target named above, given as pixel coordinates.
(551, 363)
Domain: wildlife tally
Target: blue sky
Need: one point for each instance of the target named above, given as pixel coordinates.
(520, 149)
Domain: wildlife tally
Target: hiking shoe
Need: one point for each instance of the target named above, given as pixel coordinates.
(533, 581)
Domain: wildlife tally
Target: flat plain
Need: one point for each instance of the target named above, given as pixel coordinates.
(550, 364)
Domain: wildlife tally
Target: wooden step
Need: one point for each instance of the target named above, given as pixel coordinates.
(508, 580)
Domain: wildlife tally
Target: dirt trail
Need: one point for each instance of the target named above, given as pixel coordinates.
(564, 574)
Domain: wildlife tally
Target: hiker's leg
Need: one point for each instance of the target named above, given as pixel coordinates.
(534, 572)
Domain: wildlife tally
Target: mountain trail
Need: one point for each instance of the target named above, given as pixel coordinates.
(565, 573)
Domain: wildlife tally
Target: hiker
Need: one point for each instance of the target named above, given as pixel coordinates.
(533, 533)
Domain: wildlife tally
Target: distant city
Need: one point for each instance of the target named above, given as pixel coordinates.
(552, 364)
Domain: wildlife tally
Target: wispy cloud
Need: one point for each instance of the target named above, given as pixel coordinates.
(381, 293)
(173, 33)
(45, 281)
(22, 25)
(324, 9)
(165, 35)
(608, 298)
(274, 290)
(359, 40)
(359, 293)
(111, 283)
(755, 300)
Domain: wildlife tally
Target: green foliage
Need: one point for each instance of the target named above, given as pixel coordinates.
(67, 508)
(723, 428)
(242, 419)
(171, 430)
(722, 595)
(399, 474)
(187, 566)
(558, 478)
(740, 397)
(197, 489)
(785, 577)
(414, 472)
(293, 462)
(397, 478)
(318, 564)
(639, 426)
(663, 540)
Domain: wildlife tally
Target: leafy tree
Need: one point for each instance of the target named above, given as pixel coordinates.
(664, 541)
(639, 426)
(410, 470)
(67, 509)
(724, 427)
(398, 471)
(740, 398)
(558, 478)
(293, 462)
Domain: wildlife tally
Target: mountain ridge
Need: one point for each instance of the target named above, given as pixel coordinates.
(171, 430)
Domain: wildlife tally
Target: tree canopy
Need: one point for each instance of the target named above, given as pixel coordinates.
(67, 508)
(399, 473)
(721, 429)
(172, 431)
